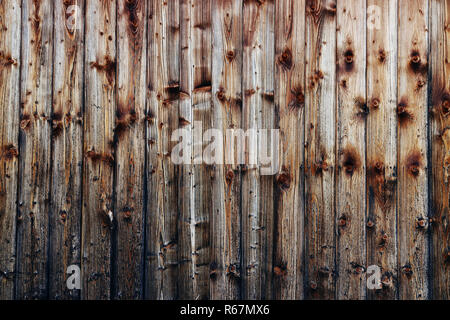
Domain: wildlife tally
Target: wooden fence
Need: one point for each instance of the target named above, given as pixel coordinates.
(91, 91)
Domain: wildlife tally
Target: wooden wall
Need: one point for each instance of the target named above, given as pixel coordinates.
(91, 91)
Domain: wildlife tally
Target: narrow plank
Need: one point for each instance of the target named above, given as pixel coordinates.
(320, 127)
(163, 118)
(225, 268)
(351, 176)
(440, 140)
(10, 35)
(35, 137)
(98, 172)
(129, 138)
(257, 191)
(289, 103)
(195, 118)
(412, 149)
(67, 155)
(381, 223)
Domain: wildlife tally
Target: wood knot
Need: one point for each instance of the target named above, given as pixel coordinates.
(230, 55)
(375, 103)
(351, 161)
(284, 181)
(285, 59)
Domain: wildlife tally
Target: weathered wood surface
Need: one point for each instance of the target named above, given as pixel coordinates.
(351, 150)
(289, 105)
(226, 267)
(412, 88)
(129, 143)
(67, 146)
(320, 160)
(98, 170)
(440, 140)
(381, 220)
(163, 118)
(257, 190)
(10, 35)
(35, 150)
(91, 93)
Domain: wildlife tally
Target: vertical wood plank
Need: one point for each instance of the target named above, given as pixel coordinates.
(67, 158)
(351, 177)
(257, 190)
(35, 137)
(100, 111)
(195, 118)
(440, 140)
(412, 149)
(163, 119)
(225, 268)
(381, 223)
(289, 103)
(10, 35)
(320, 160)
(129, 138)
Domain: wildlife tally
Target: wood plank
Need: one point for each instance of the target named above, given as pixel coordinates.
(289, 104)
(440, 146)
(412, 149)
(67, 155)
(225, 268)
(129, 138)
(381, 223)
(10, 35)
(163, 119)
(257, 190)
(351, 175)
(195, 118)
(320, 127)
(100, 111)
(35, 150)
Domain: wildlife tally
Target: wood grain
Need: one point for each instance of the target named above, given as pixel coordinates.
(195, 118)
(98, 171)
(129, 140)
(413, 223)
(289, 107)
(351, 150)
(10, 37)
(381, 222)
(225, 267)
(258, 113)
(35, 150)
(320, 127)
(67, 145)
(163, 118)
(440, 140)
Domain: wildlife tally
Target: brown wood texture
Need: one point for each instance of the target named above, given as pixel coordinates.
(96, 97)
(320, 146)
(10, 35)
(440, 140)
(67, 146)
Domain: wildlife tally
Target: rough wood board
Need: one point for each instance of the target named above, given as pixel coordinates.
(35, 150)
(129, 140)
(381, 222)
(351, 150)
(289, 107)
(163, 117)
(320, 126)
(225, 268)
(98, 171)
(67, 146)
(10, 35)
(413, 223)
